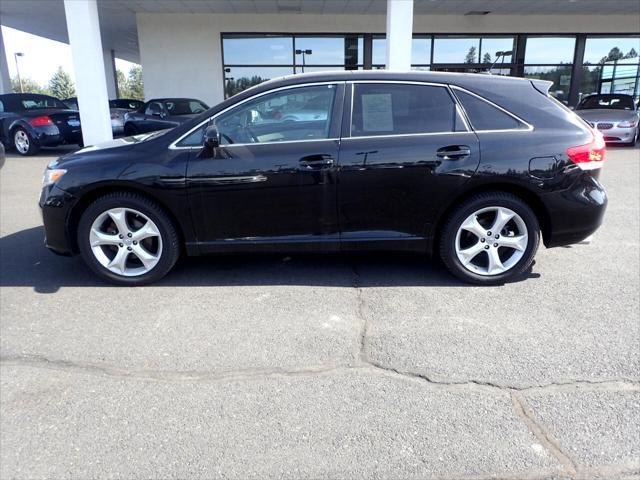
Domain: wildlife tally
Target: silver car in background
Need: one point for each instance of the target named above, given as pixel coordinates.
(614, 115)
(117, 109)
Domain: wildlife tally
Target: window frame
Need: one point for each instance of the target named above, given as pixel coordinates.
(348, 133)
(334, 125)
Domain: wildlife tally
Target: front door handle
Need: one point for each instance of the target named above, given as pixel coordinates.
(453, 152)
(315, 162)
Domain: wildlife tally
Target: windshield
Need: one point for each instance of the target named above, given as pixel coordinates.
(123, 103)
(38, 102)
(184, 106)
(616, 102)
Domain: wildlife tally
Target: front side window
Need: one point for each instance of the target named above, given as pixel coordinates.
(484, 116)
(154, 108)
(184, 107)
(401, 109)
(302, 113)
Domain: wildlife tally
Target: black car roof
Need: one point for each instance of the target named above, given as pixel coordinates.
(18, 96)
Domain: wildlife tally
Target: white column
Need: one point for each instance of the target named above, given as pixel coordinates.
(110, 73)
(83, 26)
(5, 80)
(399, 34)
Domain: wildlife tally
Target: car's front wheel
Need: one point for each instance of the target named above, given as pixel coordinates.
(128, 239)
(490, 238)
(24, 143)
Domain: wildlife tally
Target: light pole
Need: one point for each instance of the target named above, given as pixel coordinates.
(303, 53)
(15, 56)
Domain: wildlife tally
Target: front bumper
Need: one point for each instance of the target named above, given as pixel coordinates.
(55, 205)
(619, 135)
(575, 213)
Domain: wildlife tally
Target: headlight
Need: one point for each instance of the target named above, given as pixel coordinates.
(628, 124)
(52, 175)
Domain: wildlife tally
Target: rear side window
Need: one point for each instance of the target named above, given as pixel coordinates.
(401, 109)
(484, 116)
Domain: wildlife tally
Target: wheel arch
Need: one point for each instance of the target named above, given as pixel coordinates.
(97, 191)
(525, 194)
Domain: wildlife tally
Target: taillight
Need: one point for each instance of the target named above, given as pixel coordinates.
(114, 116)
(591, 155)
(42, 121)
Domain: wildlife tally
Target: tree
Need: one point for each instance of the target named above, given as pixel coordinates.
(632, 53)
(28, 86)
(471, 56)
(486, 58)
(135, 83)
(61, 86)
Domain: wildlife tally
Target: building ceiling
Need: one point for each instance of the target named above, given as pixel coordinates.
(117, 17)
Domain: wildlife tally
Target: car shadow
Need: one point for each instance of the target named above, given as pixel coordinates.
(25, 262)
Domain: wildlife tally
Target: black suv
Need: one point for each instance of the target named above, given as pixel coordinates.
(475, 168)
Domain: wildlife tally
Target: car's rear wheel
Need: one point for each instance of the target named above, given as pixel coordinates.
(23, 142)
(490, 238)
(127, 239)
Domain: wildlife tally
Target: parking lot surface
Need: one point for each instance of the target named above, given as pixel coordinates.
(341, 366)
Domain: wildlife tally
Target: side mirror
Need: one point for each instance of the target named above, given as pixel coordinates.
(210, 142)
(211, 138)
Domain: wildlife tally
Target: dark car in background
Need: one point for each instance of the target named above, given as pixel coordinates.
(614, 114)
(162, 113)
(117, 109)
(473, 168)
(29, 121)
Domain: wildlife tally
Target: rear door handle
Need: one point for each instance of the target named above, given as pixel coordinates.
(315, 162)
(453, 152)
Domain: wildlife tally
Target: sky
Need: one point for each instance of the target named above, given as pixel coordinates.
(41, 56)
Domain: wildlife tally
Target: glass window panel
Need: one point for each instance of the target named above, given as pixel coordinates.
(381, 109)
(598, 50)
(590, 81)
(492, 45)
(264, 50)
(339, 50)
(549, 50)
(420, 51)
(238, 79)
(607, 71)
(559, 75)
(456, 50)
(484, 116)
(293, 114)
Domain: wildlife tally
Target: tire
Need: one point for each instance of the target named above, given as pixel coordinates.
(120, 259)
(24, 143)
(130, 130)
(515, 246)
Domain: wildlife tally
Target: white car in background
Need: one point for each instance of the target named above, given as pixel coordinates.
(614, 115)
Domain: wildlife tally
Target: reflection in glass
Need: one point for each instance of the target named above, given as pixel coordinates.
(549, 50)
(420, 51)
(600, 50)
(339, 50)
(263, 50)
(237, 79)
(490, 46)
(456, 50)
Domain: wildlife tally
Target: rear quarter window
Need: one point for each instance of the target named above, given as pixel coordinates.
(484, 116)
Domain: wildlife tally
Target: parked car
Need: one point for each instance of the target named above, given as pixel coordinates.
(474, 168)
(615, 115)
(29, 121)
(161, 113)
(117, 109)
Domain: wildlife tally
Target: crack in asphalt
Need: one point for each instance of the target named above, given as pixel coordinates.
(360, 353)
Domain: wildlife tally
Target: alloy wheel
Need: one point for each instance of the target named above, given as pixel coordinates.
(21, 141)
(125, 241)
(491, 241)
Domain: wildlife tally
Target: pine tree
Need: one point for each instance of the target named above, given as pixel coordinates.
(486, 58)
(135, 84)
(61, 86)
(471, 56)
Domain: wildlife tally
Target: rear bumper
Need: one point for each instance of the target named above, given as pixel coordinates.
(55, 205)
(575, 213)
(51, 136)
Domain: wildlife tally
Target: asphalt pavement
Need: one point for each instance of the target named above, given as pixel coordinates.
(321, 366)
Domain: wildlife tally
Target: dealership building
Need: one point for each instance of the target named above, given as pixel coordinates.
(211, 49)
